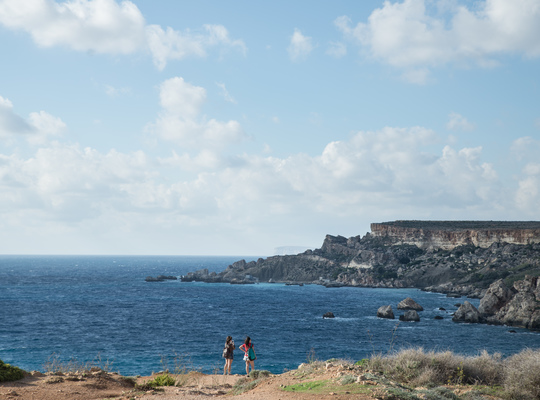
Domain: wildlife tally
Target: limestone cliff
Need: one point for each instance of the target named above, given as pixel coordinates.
(447, 235)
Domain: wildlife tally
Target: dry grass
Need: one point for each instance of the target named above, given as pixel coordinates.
(522, 375)
(416, 367)
(54, 364)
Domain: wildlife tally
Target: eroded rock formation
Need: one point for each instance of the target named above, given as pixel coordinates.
(516, 306)
(403, 254)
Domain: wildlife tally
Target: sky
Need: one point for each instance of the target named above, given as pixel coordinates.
(238, 127)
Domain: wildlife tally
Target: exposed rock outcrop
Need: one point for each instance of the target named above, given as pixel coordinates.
(329, 314)
(497, 295)
(409, 304)
(387, 261)
(517, 306)
(410, 315)
(466, 313)
(385, 312)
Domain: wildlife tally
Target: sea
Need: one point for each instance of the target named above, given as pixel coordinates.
(100, 309)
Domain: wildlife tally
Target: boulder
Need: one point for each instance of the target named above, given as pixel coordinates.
(329, 314)
(409, 304)
(410, 315)
(438, 317)
(385, 312)
(466, 313)
(496, 297)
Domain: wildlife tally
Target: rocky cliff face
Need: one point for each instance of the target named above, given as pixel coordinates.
(447, 235)
(518, 305)
(373, 261)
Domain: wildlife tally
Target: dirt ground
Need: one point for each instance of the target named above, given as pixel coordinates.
(104, 385)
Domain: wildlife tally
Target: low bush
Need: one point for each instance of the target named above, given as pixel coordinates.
(162, 380)
(249, 382)
(418, 368)
(522, 375)
(256, 374)
(9, 373)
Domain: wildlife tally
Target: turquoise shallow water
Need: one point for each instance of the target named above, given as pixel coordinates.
(84, 306)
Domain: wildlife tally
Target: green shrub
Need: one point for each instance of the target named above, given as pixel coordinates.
(10, 373)
(363, 362)
(162, 380)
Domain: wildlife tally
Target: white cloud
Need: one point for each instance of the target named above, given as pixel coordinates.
(11, 124)
(337, 49)
(63, 190)
(45, 125)
(35, 130)
(105, 26)
(525, 148)
(225, 93)
(458, 122)
(170, 44)
(112, 91)
(405, 35)
(181, 121)
(528, 193)
(300, 46)
(101, 26)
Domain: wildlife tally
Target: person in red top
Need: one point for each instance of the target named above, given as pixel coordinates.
(249, 354)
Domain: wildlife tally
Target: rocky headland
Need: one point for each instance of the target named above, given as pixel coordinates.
(459, 258)
(517, 305)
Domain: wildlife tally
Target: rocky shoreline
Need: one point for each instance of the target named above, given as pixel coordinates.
(518, 305)
(448, 261)
(375, 262)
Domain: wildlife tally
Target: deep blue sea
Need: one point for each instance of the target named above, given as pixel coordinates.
(85, 307)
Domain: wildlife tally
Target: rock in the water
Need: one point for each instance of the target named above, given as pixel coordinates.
(385, 312)
(409, 304)
(329, 314)
(438, 317)
(466, 313)
(410, 315)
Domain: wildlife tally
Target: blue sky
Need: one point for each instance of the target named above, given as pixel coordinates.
(238, 127)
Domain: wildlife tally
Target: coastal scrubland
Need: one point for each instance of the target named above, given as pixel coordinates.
(411, 374)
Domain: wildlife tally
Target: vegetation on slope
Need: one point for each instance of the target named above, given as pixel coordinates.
(10, 373)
